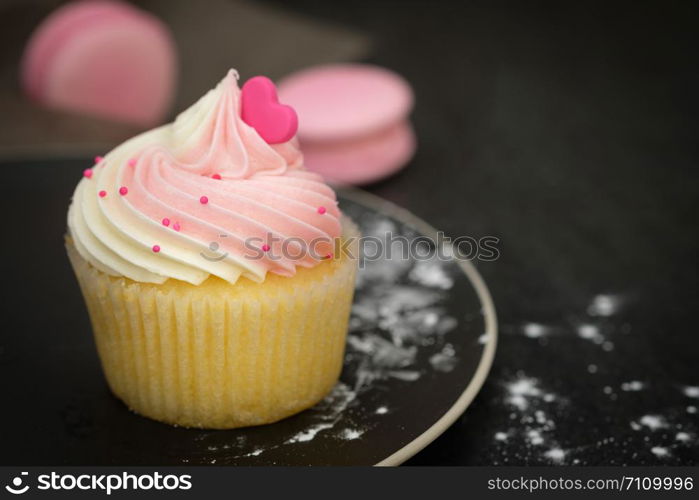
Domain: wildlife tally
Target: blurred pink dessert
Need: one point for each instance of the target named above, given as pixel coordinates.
(103, 58)
(353, 120)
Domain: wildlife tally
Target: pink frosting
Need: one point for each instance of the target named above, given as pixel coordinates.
(263, 191)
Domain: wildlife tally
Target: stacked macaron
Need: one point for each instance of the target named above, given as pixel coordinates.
(103, 58)
(353, 120)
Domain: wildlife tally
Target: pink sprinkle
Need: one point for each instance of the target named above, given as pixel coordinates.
(156, 248)
(321, 210)
(102, 194)
(166, 222)
(98, 159)
(132, 162)
(176, 226)
(265, 247)
(329, 256)
(123, 190)
(203, 200)
(87, 173)
(216, 176)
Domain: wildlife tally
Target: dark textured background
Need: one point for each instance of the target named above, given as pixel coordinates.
(569, 130)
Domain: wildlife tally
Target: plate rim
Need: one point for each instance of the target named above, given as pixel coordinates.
(490, 318)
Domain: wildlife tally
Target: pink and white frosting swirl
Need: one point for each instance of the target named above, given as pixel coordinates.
(156, 206)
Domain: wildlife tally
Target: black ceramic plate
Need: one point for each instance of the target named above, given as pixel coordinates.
(421, 341)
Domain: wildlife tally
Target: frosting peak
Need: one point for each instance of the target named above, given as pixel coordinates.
(211, 137)
(211, 194)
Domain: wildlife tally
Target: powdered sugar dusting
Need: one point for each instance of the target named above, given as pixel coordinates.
(604, 305)
(653, 422)
(351, 434)
(500, 436)
(392, 322)
(328, 413)
(556, 455)
(590, 332)
(431, 273)
(531, 422)
(308, 434)
(634, 385)
(521, 391)
(691, 391)
(684, 437)
(660, 451)
(535, 437)
(445, 360)
(665, 432)
(534, 330)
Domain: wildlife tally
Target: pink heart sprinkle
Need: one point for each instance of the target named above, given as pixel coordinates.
(260, 108)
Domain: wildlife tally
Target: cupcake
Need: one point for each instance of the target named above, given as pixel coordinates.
(218, 272)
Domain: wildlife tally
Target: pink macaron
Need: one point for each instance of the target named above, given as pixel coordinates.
(353, 120)
(103, 58)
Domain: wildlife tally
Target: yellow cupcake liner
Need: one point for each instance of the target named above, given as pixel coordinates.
(219, 355)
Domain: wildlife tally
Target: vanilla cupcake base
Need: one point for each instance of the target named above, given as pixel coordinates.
(219, 355)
